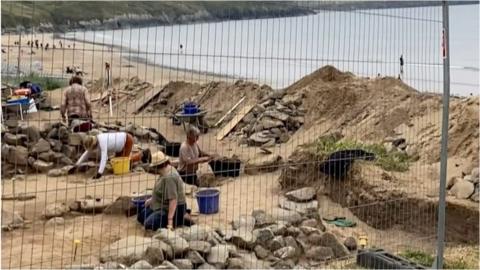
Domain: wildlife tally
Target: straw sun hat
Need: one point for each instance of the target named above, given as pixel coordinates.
(90, 142)
(158, 159)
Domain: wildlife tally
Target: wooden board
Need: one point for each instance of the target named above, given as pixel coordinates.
(149, 95)
(233, 123)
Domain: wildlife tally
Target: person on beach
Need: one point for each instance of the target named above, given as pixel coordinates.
(401, 64)
(167, 208)
(76, 101)
(119, 143)
(190, 156)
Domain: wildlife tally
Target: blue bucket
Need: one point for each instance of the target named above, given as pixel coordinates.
(140, 202)
(190, 108)
(208, 201)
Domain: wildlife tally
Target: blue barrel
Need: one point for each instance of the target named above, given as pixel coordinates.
(190, 108)
(140, 202)
(208, 201)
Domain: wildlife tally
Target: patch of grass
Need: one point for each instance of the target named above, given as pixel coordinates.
(390, 161)
(427, 260)
(46, 83)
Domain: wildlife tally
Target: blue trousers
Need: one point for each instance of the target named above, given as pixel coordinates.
(154, 220)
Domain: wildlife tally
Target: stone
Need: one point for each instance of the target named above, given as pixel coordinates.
(284, 137)
(290, 241)
(153, 255)
(76, 138)
(55, 210)
(60, 172)
(252, 262)
(18, 155)
(309, 223)
(128, 250)
(277, 115)
(330, 240)
(293, 231)
(214, 239)
(261, 218)
(315, 239)
(462, 189)
(285, 252)
(319, 253)
(289, 216)
(195, 257)
(475, 195)
(166, 265)
(263, 163)
(54, 221)
(42, 166)
(11, 220)
(263, 235)
(350, 243)
(113, 265)
(11, 123)
(242, 238)
(176, 242)
(276, 243)
(299, 207)
(205, 175)
(202, 247)
(63, 134)
(32, 133)
(206, 266)
(309, 230)
(122, 205)
(218, 255)
(451, 182)
(279, 228)
(56, 145)
(301, 195)
(47, 156)
(41, 146)
(245, 221)
(475, 173)
(295, 99)
(471, 178)
(142, 264)
(261, 252)
(183, 263)
(268, 123)
(235, 263)
(18, 139)
(270, 143)
(195, 232)
(257, 139)
(94, 205)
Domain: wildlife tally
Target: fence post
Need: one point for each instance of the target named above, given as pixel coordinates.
(438, 264)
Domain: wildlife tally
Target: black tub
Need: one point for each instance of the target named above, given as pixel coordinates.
(226, 167)
(172, 149)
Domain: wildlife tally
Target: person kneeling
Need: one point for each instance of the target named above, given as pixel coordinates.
(167, 208)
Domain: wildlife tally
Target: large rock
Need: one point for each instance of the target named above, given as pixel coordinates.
(32, 133)
(202, 247)
(462, 189)
(56, 145)
(252, 262)
(245, 221)
(205, 175)
(285, 252)
(195, 257)
(142, 264)
(47, 156)
(277, 115)
(264, 163)
(235, 263)
(276, 243)
(41, 146)
(128, 250)
(301, 195)
(261, 252)
(330, 240)
(195, 232)
(60, 172)
(153, 255)
(18, 155)
(176, 242)
(258, 139)
(206, 266)
(12, 139)
(218, 255)
(289, 216)
(268, 123)
(302, 208)
(242, 238)
(76, 138)
(320, 253)
(262, 219)
(42, 166)
(310, 222)
(55, 210)
(183, 263)
(263, 235)
(11, 220)
(475, 196)
(295, 99)
(53, 222)
(475, 173)
(350, 243)
(94, 205)
(121, 206)
(279, 228)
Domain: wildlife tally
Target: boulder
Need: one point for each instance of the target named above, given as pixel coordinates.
(94, 205)
(242, 238)
(263, 235)
(309, 230)
(252, 262)
(60, 172)
(153, 255)
(54, 221)
(293, 231)
(176, 242)
(47, 156)
(261, 252)
(301, 195)
(206, 266)
(142, 264)
(330, 240)
(183, 263)
(63, 134)
(268, 123)
(291, 242)
(264, 163)
(128, 250)
(18, 139)
(310, 223)
(295, 99)
(319, 253)
(315, 239)
(76, 138)
(289, 216)
(122, 205)
(205, 175)
(11, 123)
(18, 155)
(276, 115)
(262, 219)
(195, 257)
(297, 206)
(55, 210)
(41, 146)
(257, 139)
(166, 265)
(11, 220)
(462, 189)
(245, 221)
(471, 178)
(56, 145)
(475, 173)
(195, 232)
(350, 243)
(42, 166)
(475, 195)
(285, 252)
(283, 138)
(452, 181)
(32, 133)
(202, 247)
(276, 243)
(279, 228)
(218, 255)
(235, 263)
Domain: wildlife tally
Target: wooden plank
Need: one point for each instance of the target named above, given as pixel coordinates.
(229, 111)
(233, 123)
(151, 94)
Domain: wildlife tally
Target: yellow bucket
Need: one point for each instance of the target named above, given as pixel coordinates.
(120, 165)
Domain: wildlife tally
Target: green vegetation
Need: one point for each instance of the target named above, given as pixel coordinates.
(426, 259)
(46, 83)
(390, 161)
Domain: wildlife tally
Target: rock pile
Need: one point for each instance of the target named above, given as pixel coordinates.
(54, 149)
(273, 120)
(466, 187)
(281, 239)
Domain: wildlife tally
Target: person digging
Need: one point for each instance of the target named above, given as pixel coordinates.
(167, 208)
(119, 143)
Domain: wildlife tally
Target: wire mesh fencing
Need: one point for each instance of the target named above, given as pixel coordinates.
(291, 141)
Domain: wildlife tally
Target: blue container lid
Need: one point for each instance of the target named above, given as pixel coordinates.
(207, 193)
